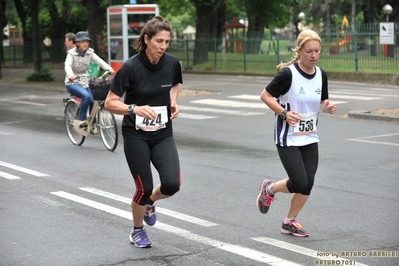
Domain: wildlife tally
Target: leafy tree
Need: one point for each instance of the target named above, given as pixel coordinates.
(262, 14)
(55, 17)
(206, 11)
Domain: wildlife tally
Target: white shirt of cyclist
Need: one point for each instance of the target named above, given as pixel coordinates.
(304, 97)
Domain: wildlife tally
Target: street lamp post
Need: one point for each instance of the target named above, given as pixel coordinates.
(387, 10)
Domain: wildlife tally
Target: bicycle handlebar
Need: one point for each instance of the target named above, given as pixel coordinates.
(78, 77)
(107, 72)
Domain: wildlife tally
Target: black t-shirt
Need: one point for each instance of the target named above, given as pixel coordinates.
(144, 83)
(281, 83)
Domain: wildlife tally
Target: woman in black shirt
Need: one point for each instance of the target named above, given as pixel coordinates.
(150, 81)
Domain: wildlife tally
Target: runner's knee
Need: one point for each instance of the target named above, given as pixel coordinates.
(170, 187)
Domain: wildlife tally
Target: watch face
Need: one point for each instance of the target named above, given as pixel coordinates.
(130, 108)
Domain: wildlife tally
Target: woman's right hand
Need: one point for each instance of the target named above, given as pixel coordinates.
(145, 111)
(293, 117)
(73, 77)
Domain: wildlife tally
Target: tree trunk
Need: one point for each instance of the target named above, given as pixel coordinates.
(58, 30)
(36, 40)
(94, 32)
(27, 50)
(205, 10)
(3, 23)
(255, 34)
(256, 25)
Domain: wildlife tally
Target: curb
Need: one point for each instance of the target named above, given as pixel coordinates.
(365, 114)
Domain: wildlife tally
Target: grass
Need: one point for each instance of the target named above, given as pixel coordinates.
(266, 63)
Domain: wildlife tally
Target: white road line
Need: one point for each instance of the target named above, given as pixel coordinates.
(363, 98)
(214, 110)
(174, 214)
(4, 133)
(300, 250)
(373, 94)
(350, 86)
(375, 142)
(235, 249)
(227, 103)
(9, 176)
(364, 139)
(331, 96)
(246, 97)
(22, 169)
(28, 103)
(380, 136)
(196, 117)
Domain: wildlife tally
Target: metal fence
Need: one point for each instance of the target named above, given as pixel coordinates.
(342, 50)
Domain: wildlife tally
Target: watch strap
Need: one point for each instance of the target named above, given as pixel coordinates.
(130, 109)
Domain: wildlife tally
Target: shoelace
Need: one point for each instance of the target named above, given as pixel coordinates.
(268, 200)
(150, 211)
(296, 224)
(141, 234)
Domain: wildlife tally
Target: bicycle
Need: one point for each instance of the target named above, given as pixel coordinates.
(106, 121)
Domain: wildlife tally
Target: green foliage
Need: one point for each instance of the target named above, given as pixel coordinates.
(180, 13)
(11, 14)
(78, 21)
(43, 75)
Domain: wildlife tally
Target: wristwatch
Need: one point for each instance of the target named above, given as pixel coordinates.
(283, 115)
(131, 108)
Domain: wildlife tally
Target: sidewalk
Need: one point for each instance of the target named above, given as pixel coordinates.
(16, 76)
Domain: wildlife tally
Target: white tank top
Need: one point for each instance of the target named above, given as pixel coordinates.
(304, 97)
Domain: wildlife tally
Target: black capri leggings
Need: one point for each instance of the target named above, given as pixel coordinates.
(163, 155)
(300, 163)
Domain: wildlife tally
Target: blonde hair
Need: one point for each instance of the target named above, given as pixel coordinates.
(303, 37)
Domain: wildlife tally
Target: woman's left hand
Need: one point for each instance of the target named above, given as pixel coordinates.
(329, 107)
(174, 109)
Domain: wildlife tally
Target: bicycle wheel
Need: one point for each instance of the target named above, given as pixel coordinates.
(73, 135)
(108, 129)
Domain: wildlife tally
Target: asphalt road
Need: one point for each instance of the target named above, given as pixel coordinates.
(66, 205)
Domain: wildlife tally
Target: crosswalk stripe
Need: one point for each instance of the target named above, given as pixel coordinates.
(26, 102)
(214, 110)
(235, 249)
(232, 104)
(227, 103)
(9, 176)
(349, 92)
(364, 98)
(246, 97)
(22, 169)
(300, 250)
(174, 214)
(196, 117)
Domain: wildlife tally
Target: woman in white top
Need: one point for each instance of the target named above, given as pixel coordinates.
(296, 95)
(77, 63)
